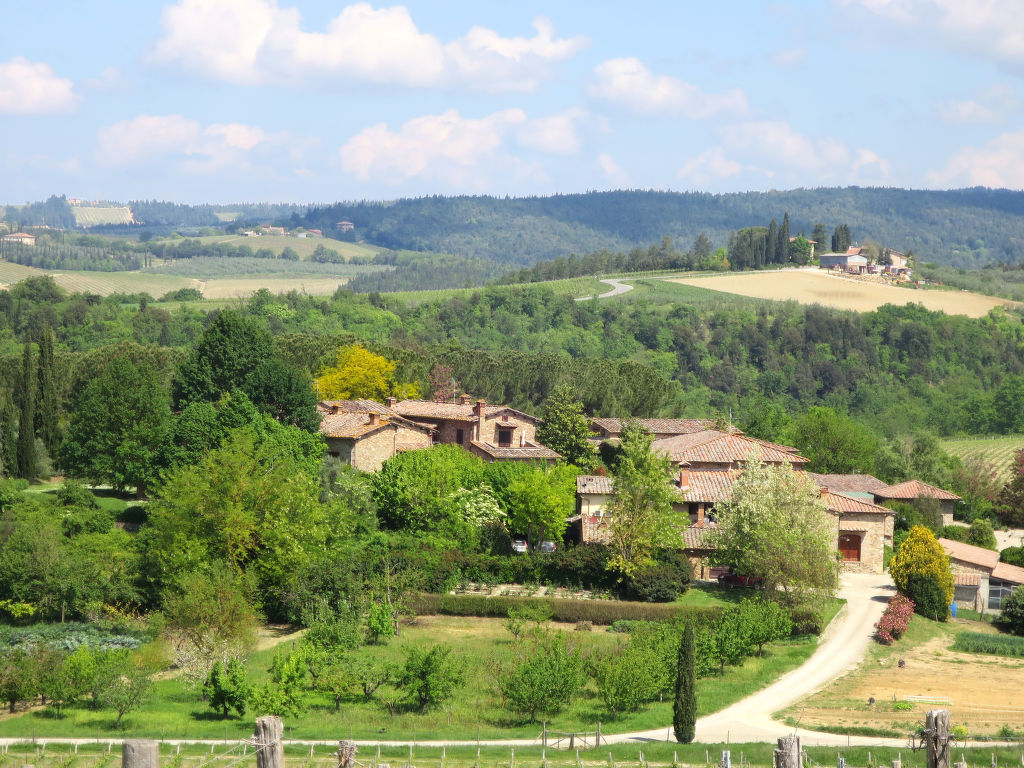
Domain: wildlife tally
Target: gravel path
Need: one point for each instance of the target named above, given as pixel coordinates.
(618, 288)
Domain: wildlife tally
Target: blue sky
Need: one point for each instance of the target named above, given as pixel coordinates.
(311, 101)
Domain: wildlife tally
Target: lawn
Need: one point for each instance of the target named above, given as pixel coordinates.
(481, 644)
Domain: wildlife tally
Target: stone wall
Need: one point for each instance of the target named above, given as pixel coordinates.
(370, 452)
(871, 528)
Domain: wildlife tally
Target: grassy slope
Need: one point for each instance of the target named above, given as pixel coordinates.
(304, 246)
(482, 643)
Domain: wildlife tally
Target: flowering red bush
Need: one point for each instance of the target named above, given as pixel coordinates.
(894, 621)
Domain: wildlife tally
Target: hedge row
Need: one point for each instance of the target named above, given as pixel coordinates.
(595, 611)
(998, 645)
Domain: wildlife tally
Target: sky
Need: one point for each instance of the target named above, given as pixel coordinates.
(317, 100)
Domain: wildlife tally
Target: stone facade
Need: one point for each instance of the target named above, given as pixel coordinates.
(869, 531)
(369, 452)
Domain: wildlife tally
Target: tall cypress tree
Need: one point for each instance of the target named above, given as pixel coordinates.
(771, 245)
(684, 711)
(8, 438)
(783, 248)
(26, 424)
(48, 404)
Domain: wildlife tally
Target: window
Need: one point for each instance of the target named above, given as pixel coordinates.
(504, 438)
(460, 436)
(998, 590)
(849, 548)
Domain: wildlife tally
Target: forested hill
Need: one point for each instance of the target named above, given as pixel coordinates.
(968, 227)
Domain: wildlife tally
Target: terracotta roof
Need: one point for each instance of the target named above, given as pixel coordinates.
(839, 502)
(351, 418)
(693, 537)
(867, 484)
(714, 447)
(710, 486)
(658, 426)
(915, 489)
(353, 406)
(967, 579)
(461, 411)
(528, 451)
(1007, 572)
(594, 484)
(968, 553)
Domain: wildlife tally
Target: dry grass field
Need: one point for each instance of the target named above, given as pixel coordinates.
(240, 287)
(985, 692)
(816, 287)
(304, 246)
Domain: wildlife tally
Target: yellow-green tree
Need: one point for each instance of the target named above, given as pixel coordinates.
(921, 554)
(360, 374)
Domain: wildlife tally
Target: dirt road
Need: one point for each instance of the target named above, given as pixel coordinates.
(618, 288)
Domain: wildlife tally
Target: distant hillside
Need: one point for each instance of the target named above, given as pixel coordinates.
(964, 228)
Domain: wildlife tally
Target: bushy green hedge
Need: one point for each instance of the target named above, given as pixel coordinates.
(595, 611)
(998, 645)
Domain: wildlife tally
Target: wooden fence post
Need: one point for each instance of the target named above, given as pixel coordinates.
(788, 753)
(346, 754)
(269, 740)
(138, 753)
(937, 735)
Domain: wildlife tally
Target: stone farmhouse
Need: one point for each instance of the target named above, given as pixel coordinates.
(915, 489)
(365, 433)
(709, 461)
(982, 581)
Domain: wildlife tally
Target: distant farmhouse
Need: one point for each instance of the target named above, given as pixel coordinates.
(22, 238)
(855, 262)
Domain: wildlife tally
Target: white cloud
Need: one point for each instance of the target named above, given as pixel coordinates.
(611, 170)
(787, 59)
(445, 145)
(148, 137)
(1000, 163)
(31, 88)
(556, 134)
(772, 150)
(254, 42)
(989, 105)
(989, 28)
(629, 83)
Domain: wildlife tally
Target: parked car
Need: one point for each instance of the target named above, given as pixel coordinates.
(735, 580)
(520, 545)
(547, 546)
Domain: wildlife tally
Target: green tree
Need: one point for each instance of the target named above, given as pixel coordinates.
(380, 622)
(8, 437)
(642, 516)
(782, 251)
(430, 675)
(358, 373)
(834, 443)
(226, 688)
(1010, 506)
(284, 392)
(18, 681)
(49, 405)
(921, 554)
(539, 501)
(566, 428)
(230, 349)
(981, 534)
(118, 427)
(129, 689)
(544, 676)
(56, 684)
(732, 636)
(27, 460)
(285, 693)
(684, 710)
(767, 621)
(774, 525)
(800, 250)
(625, 678)
(1012, 615)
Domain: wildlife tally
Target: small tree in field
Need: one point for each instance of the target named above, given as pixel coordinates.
(684, 712)
(430, 676)
(226, 688)
(545, 676)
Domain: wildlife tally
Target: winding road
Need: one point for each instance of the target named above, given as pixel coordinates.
(840, 650)
(618, 288)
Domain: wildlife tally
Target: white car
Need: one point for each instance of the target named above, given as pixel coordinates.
(520, 545)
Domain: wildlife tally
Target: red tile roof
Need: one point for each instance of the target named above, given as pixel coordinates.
(594, 484)
(526, 452)
(915, 489)
(967, 579)
(351, 418)
(353, 406)
(968, 553)
(840, 503)
(848, 483)
(1007, 572)
(694, 537)
(427, 409)
(714, 447)
(658, 426)
(710, 486)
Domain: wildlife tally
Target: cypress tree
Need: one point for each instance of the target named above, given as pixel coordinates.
(771, 245)
(8, 438)
(684, 711)
(26, 424)
(783, 248)
(48, 405)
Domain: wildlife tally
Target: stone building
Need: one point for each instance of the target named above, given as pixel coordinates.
(915, 489)
(364, 433)
(982, 580)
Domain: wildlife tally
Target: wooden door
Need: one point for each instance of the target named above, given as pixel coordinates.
(849, 547)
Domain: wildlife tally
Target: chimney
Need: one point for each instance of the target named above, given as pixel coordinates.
(335, 408)
(700, 515)
(478, 409)
(391, 401)
(464, 399)
(374, 418)
(823, 493)
(684, 478)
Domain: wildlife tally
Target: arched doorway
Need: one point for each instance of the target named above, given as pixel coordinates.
(849, 547)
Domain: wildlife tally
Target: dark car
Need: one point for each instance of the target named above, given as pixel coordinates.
(547, 546)
(735, 580)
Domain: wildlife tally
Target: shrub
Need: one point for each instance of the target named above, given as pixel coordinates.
(602, 612)
(1012, 617)
(1013, 556)
(584, 626)
(895, 619)
(997, 645)
(655, 584)
(928, 596)
(903, 706)
(955, 533)
(921, 553)
(430, 676)
(805, 620)
(980, 534)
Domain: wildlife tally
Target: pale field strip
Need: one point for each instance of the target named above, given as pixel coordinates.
(818, 287)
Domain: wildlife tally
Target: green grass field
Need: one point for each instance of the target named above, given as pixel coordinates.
(304, 246)
(481, 644)
(997, 450)
(88, 216)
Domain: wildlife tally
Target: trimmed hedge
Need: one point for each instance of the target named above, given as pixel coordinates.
(997, 645)
(563, 609)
